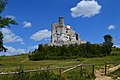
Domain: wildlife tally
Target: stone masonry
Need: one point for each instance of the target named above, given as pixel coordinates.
(64, 34)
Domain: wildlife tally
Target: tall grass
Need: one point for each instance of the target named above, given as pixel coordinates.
(115, 75)
(76, 74)
(48, 75)
(43, 75)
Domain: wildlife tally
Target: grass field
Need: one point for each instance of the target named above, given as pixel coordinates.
(11, 63)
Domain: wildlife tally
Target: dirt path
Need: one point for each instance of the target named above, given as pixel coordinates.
(100, 74)
(114, 68)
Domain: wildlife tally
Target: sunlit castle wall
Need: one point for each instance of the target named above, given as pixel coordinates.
(63, 34)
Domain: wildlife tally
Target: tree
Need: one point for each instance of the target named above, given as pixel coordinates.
(107, 44)
(4, 21)
(2, 48)
(108, 40)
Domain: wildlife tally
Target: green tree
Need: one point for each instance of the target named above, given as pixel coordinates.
(2, 48)
(4, 21)
(107, 44)
(108, 40)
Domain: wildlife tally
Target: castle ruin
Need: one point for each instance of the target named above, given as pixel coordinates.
(64, 34)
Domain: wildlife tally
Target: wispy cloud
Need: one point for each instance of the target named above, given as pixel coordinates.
(111, 27)
(86, 8)
(42, 34)
(33, 47)
(27, 24)
(9, 36)
(12, 51)
(117, 46)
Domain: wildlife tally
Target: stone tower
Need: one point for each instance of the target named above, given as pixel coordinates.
(61, 21)
(63, 34)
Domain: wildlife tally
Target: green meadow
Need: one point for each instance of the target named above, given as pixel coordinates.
(11, 63)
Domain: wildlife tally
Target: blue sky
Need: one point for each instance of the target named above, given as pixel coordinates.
(92, 19)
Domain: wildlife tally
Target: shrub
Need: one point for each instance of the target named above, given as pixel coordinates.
(69, 52)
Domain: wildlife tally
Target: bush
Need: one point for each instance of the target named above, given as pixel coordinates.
(69, 52)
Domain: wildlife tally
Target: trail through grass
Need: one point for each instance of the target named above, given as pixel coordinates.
(10, 63)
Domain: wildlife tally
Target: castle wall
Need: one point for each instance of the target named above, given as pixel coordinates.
(63, 34)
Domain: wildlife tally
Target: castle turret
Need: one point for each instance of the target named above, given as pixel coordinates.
(61, 21)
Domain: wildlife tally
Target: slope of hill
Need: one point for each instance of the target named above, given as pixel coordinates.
(11, 63)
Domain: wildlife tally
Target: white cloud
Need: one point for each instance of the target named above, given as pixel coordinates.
(86, 8)
(22, 43)
(9, 36)
(12, 51)
(111, 27)
(117, 46)
(9, 16)
(33, 47)
(42, 34)
(27, 24)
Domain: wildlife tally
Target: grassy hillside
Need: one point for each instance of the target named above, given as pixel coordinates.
(11, 63)
(115, 75)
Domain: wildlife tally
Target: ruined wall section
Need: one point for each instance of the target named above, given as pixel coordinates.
(63, 34)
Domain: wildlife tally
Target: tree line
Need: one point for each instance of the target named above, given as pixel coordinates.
(88, 50)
